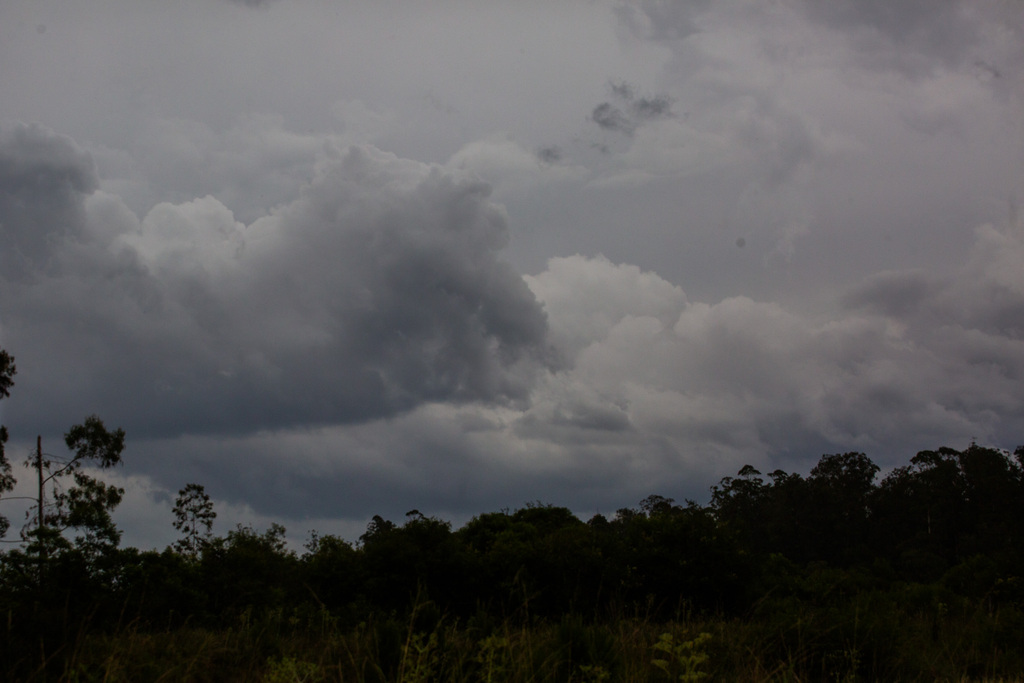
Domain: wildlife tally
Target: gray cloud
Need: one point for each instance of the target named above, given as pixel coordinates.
(669, 393)
(376, 291)
(622, 90)
(663, 20)
(43, 179)
(608, 116)
(895, 293)
(939, 28)
(919, 38)
(748, 380)
(637, 110)
(652, 108)
(550, 154)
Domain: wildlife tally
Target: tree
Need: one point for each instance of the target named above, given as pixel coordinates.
(740, 502)
(7, 372)
(992, 500)
(7, 481)
(331, 569)
(193, 516)
(955, 504)
(840, 488)
(422, 559)
(85, 506)
(249, 570)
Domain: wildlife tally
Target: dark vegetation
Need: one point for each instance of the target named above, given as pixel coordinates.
(839, 575)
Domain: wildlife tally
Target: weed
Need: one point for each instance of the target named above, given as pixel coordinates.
(420, 658)
(682, 661)
(288, 670)
(493, 657)
(594, 674)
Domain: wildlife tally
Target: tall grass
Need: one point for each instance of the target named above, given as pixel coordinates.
(863, 640)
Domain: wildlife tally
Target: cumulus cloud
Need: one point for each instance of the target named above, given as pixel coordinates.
(716, 384)
(379, 289)
(661, 394)
(665, 393)
(585, 298)
(369, 330)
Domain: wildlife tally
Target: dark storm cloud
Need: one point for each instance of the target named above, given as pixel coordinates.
(377, 290)
(43, 178)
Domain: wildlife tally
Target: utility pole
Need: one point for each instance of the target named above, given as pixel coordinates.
(42, 507)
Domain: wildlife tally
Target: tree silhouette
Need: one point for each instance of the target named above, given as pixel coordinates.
(85, 506)
(193, 517)
(7, 372)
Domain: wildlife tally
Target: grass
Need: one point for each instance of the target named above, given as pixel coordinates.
(783, 642)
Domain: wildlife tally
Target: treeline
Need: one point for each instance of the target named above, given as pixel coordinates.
(950, 520)
(950, 515)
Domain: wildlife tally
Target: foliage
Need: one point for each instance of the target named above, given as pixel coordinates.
(248, 573)
(193, 517)
(799, 642)
(7, 372)
(85, 506)
(7, 481)
(682, 660)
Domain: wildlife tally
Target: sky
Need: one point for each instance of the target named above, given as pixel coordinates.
(337, 259)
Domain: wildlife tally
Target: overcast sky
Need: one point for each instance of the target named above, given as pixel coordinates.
(333, 259)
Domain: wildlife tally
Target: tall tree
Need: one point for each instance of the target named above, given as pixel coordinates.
(87, 504)
(840, 486)
(7, 481)
(193, 517)
(739, 503)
